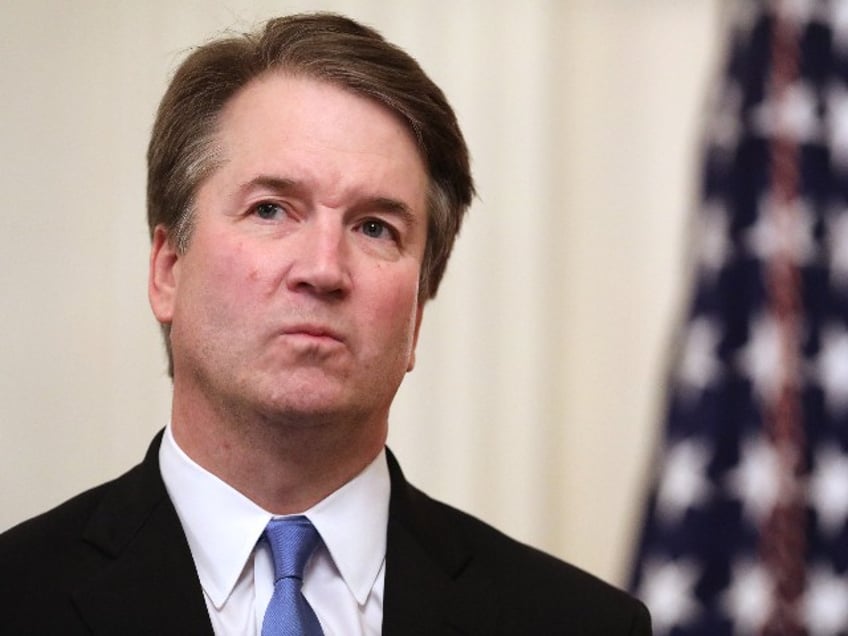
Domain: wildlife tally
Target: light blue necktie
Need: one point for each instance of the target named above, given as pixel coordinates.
(292, 541)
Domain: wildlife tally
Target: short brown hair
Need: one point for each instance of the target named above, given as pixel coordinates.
(326, 47)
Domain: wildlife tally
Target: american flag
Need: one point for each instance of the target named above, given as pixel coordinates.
(745, 531)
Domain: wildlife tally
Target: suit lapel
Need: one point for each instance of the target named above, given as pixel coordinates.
(149, 584)
(432, 583)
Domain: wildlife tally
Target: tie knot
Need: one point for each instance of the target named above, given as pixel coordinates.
(292, 541)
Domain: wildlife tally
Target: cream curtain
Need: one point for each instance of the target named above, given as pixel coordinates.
(538, 392)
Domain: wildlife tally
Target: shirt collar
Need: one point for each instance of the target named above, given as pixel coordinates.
(352, 522)
(222, 526)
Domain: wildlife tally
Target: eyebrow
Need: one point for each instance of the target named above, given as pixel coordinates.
(280, 184)
(382, 204)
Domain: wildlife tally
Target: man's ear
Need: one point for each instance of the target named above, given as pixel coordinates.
(418, 316)
(163, 274)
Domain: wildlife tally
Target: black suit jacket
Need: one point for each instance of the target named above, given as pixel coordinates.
(114, 560)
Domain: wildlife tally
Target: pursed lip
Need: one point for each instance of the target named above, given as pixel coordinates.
(313, 331)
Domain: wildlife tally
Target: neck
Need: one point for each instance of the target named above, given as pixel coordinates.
(285, 465)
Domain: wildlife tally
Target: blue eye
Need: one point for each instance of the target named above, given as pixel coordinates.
(269, 211)
(374, 229)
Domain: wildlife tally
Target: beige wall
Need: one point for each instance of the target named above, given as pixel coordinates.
(538, 391)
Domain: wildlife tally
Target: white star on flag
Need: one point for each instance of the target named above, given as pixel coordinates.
(828, 489)
(683, 483)
(668, 589)
(825, 605)
(761, 358)
(837, 124)
(838, 19)
(743, 17)
(698, 366)
(799, 12)
(794, 115)
(756, 479)
(724, 125)
(786, 231)
(837, 242)
(750, 598)
(713, 245)
(831, 367)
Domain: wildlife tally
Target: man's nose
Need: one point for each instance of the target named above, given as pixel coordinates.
(321, 264)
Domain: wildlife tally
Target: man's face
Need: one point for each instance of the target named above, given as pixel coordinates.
(298, 294)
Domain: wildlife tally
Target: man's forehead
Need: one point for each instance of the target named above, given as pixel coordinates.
(283, 131)
(290, 87)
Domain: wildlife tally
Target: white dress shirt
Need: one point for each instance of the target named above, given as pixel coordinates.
(343, 580)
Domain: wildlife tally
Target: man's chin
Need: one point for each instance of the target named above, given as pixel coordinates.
(308, 409)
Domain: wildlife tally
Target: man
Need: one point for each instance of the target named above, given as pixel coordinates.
(305, 187)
